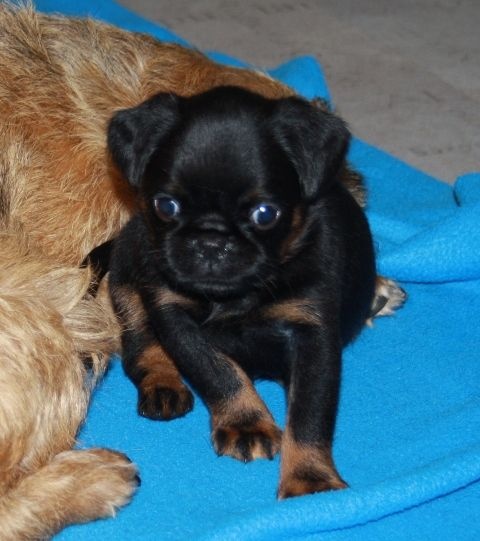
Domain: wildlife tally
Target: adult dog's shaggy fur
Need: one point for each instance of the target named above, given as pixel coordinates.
(60, 196)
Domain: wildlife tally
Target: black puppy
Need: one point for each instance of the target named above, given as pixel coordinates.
(248, 259)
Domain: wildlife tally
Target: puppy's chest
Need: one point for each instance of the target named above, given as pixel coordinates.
(261, 346)
(221, 314)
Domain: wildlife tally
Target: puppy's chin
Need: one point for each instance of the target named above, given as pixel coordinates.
(217, 290)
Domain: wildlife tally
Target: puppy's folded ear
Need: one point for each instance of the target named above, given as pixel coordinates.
(315, 141)
(134, 134)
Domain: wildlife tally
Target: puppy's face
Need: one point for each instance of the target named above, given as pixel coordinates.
(227, 181)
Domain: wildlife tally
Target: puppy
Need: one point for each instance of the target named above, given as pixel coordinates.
(248, 259)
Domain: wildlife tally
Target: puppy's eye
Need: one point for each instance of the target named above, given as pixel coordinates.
(265, 216)
(166, 207)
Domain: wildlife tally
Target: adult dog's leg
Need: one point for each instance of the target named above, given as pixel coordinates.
(47, 325)
(74, 487)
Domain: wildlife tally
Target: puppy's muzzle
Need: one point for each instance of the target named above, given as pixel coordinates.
(214, 253)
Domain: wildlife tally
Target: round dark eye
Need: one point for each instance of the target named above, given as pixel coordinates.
(265, 215)
(166, 207)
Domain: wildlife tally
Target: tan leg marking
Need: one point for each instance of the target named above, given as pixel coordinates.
(306, 469)
(130, 308)
(294, 311)
(163, 395)
(389, 296)
(165, 297)
(242, 426)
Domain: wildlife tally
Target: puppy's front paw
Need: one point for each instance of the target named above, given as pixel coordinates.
(309, 480)
(248, 440)
(165, 403)
(307, 468)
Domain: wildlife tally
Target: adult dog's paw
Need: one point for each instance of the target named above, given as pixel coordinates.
(93, 483)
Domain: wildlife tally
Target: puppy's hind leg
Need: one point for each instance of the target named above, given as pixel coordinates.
(388, 298)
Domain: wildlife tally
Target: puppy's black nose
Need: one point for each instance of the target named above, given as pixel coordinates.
(211, 245)
(212, 242)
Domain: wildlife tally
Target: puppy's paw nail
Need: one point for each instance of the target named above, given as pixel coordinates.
(248, 442)
(164, 403)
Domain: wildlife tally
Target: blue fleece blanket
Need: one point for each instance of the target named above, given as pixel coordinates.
(407, 438)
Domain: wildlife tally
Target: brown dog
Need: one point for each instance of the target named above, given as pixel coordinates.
(60, 196)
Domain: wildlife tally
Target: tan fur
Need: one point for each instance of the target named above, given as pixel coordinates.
(165, 297)
(162, 374)
(48, 324)
(60, 196)
(162, 389)
(244, 417)
(293, 241)
(130, 309)
(159, 368)
(394, 295)
(295, 311)
(306, 469)
(75, 486)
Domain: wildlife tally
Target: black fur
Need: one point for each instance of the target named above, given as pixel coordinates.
(99, 260)
(219, 154)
